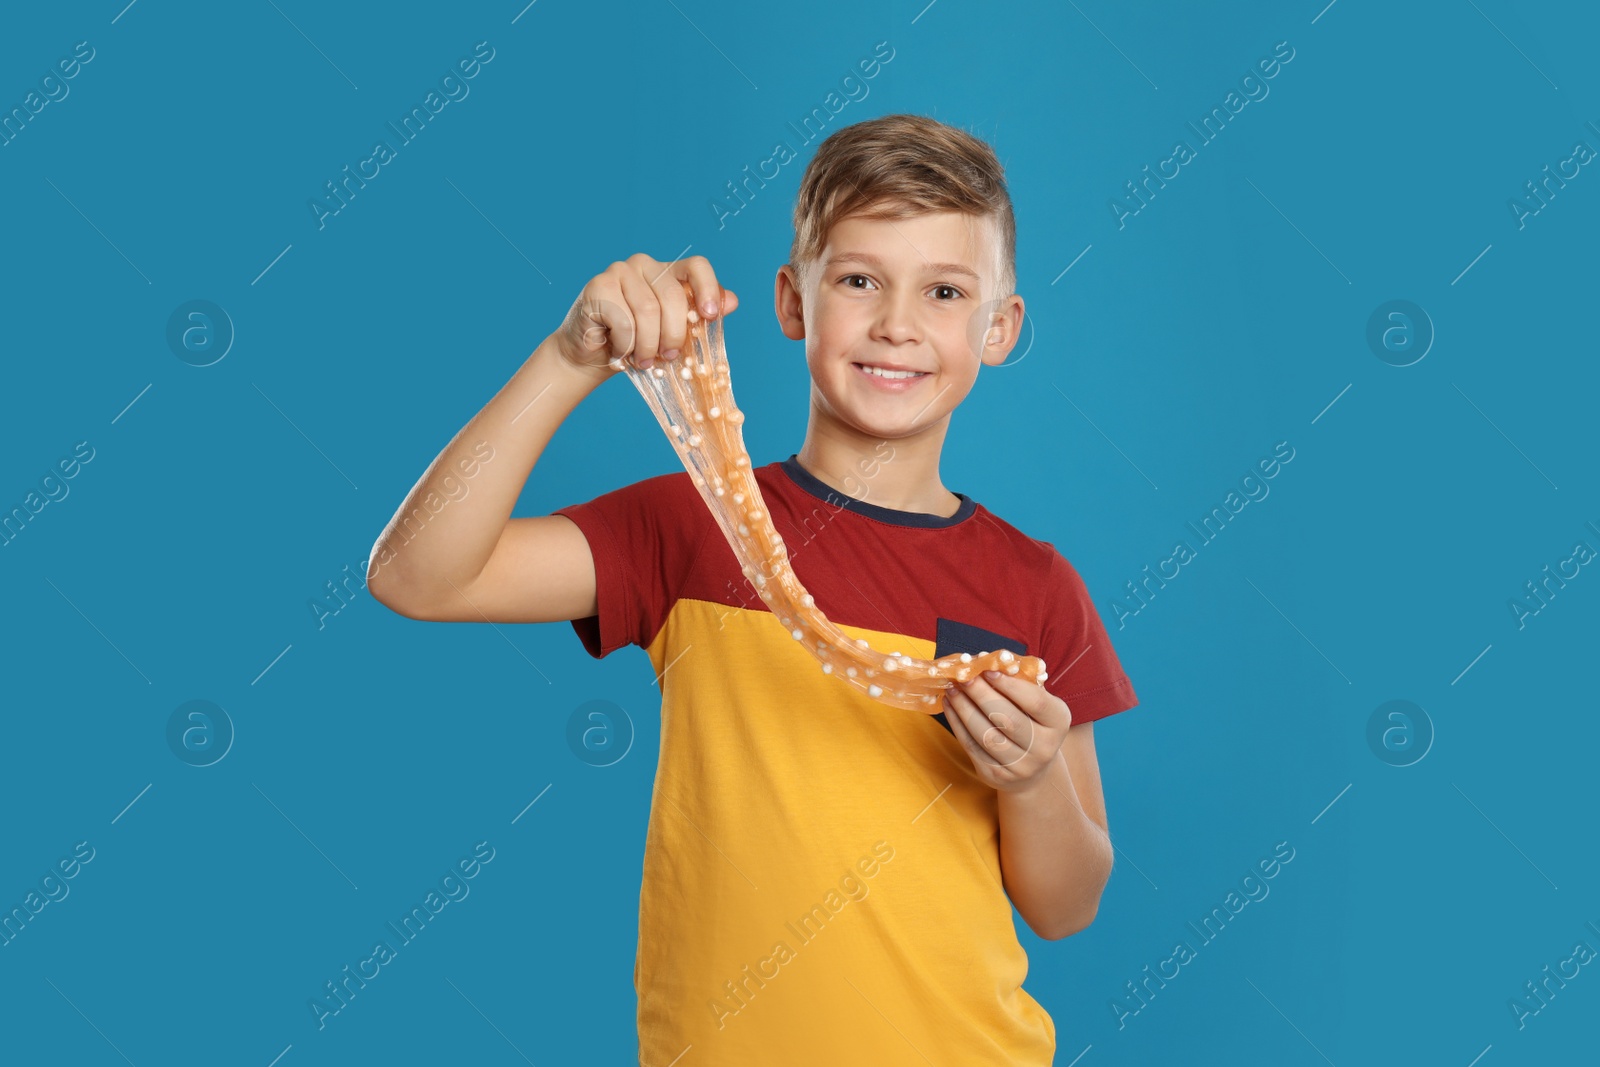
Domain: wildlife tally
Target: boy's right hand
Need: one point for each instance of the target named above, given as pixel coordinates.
(638, 310)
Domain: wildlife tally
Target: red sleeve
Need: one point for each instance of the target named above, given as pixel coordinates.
(644, 538)
(1083, 667)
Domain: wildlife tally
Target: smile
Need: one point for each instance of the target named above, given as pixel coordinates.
(894, 381)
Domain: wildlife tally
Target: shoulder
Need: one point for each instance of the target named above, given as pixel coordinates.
(1036, 565)
(664, 508)
(1038, 559)
(672, 483)
(673, 489)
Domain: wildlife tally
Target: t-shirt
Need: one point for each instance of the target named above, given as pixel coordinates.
(822, 878)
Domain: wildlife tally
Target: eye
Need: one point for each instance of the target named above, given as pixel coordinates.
(847, 277)
(957, 292)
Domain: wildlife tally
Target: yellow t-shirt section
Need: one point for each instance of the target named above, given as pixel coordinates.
(822, 877)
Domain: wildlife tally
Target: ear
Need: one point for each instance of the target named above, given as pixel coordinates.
(1002, 328)
(788, 303)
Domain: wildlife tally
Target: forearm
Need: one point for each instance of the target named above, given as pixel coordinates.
(1054, 858)
(512, 430)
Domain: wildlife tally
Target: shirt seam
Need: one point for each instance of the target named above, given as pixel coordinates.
(784, 472)
(683, 580)
(1118, 684)
(629, 606)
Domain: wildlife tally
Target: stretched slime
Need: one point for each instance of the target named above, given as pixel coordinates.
(692, 399)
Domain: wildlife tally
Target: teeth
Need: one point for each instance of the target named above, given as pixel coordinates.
(896, 374)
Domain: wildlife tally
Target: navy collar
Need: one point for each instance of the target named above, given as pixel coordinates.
(822, 491)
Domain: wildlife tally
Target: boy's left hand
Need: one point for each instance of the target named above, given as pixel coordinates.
(1019, 728)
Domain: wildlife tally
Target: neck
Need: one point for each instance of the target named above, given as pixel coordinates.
(900, 473)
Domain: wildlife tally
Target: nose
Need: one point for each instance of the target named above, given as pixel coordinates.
(897, 317)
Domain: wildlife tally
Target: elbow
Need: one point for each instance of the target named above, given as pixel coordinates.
(411, 602)
(389, 589)
(388, 600)
(1065, 928)
(397, 602)
(390, 604)
(1080, 920)
(380, 587)
(1082, 923)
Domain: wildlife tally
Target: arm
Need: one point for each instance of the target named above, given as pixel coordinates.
(1055, 850)
(452, 552)
(466, 559)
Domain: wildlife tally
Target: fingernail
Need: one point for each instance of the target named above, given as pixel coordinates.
(710, 307)
(991, 675)
(671, 353)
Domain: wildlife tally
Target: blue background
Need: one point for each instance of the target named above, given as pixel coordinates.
(1230, 313)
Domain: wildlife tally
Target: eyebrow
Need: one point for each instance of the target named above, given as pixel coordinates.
(874, 261)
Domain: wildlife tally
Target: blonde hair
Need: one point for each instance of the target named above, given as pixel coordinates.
(895, 167)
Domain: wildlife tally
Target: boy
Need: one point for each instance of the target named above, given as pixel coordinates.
(826, 877)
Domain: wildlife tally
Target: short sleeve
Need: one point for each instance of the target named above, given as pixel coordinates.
(1082, 666)
(644, 538)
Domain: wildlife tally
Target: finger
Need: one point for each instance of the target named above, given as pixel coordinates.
(983, 730)
(1040, 705)
(1005, 730)
(958, 726)
(603, 319)
(724, 300)
(669, 282)
(993, 704)
(703, 284)
(611, 308)
(645, 307)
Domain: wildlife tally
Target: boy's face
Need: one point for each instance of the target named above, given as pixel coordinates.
(910, 293)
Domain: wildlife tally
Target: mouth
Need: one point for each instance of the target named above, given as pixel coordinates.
(894, 381)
